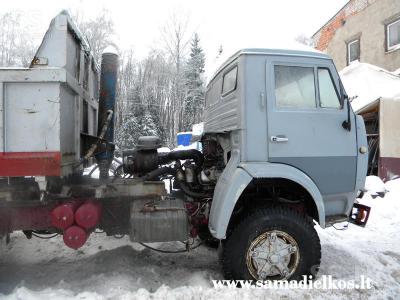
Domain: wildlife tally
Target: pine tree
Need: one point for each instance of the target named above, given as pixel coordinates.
(148, 126)
(195, 87)
(127, 134)
(139, 122)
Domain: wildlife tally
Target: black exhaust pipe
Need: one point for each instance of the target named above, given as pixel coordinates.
(107, 99)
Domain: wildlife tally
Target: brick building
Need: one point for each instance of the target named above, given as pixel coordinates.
(364, 30)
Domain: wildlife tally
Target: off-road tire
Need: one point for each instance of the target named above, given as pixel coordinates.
(299, 226)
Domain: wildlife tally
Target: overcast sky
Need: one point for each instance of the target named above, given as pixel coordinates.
(233, 24)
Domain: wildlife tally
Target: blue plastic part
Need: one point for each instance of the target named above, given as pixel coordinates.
(183, 138)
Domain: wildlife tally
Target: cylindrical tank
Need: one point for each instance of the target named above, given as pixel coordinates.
(62, 216)
(75, 237)
(88, 214)
(108, 83)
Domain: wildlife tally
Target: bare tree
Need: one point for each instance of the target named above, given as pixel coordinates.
(144, 91)
(127, 77)
(303, 39)
(176, 40)
(99, 32)
(16, 47)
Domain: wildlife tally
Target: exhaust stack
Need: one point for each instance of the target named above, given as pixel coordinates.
(107, 99)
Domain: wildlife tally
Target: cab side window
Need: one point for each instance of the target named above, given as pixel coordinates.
(229, 81)
(294, 87)
(327, 93)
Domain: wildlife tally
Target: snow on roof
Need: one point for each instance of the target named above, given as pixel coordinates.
(198, 129)
(110, 49)
(369, 83)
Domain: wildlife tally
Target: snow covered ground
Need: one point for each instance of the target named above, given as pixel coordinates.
(108, 268)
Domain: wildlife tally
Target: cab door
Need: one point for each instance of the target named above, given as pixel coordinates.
(305, 117)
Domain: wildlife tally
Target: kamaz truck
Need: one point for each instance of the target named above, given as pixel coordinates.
(282, 151)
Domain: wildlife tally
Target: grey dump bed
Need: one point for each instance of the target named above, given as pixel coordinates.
(48, 106)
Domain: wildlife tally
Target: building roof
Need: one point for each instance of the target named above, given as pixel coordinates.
(369, 83)
(324, 34)
(331, 19)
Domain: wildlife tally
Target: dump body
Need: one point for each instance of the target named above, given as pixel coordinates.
(48, 106)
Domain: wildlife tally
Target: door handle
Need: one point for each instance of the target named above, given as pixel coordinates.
(279, 138)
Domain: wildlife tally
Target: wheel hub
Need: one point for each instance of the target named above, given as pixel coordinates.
(273, 255)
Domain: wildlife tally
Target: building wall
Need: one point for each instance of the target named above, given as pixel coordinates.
(367, 20)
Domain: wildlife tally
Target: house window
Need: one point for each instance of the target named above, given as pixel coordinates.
(229, 81)
(353, 51)
(393, 35)
(294, 87)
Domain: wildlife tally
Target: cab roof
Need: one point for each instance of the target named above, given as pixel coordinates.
(300, 51)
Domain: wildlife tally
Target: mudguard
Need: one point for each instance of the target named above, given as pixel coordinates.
(237, 176)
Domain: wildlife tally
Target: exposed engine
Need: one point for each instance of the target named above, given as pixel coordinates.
(195, 173)
(193, 176)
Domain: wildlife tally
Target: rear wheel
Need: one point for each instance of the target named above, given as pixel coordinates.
(272, 244)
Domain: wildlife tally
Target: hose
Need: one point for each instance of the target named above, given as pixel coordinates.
(197, 156)
(158, 172)
(99, 138)
(44, 237)
(101, 135)
(94, 169)
(190, 193)
(153, 175)
(345, 226)
(116, 236)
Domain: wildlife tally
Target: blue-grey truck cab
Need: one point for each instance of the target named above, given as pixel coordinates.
(289, 150)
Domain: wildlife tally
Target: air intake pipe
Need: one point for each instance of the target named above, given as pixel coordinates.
(197, 156)
(107, 99)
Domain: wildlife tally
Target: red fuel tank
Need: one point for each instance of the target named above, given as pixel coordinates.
(75, 237)
(62, 216)
(88, 214)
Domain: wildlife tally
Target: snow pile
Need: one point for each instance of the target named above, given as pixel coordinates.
(369, 83)
(198, 129)
(191, 146)
(108, 268)
(375, 186)
(94, 171)
(110, 49)
(163, 150)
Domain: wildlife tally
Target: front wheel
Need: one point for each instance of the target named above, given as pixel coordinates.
(272, 243)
